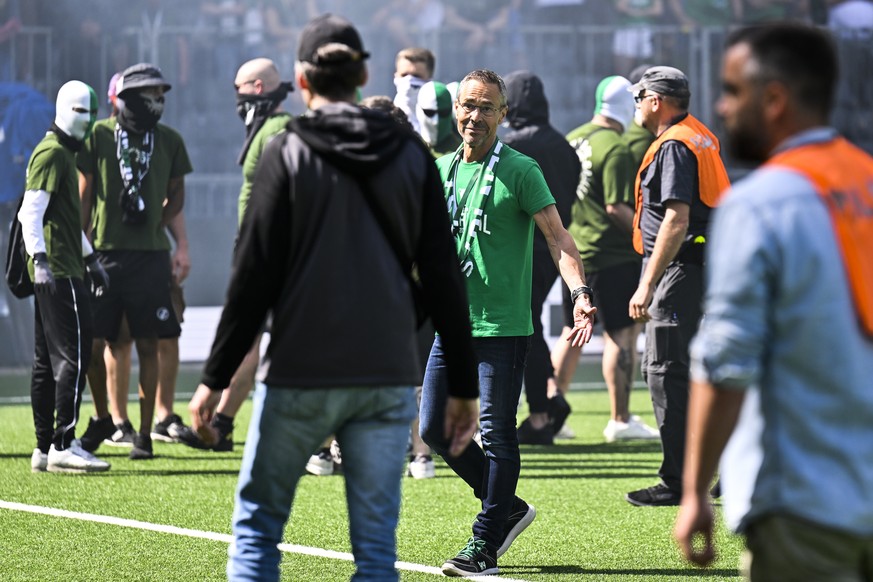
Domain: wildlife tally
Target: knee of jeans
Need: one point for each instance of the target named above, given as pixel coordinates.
(501, 444)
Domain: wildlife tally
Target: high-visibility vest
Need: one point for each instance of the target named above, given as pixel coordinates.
(843, 176)
(712, 178)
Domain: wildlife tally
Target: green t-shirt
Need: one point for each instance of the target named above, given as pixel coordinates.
(499, 282)
(606, 178)
(99, 159)
(638, 140)
(273, 125)
(52, 168)
(709, 12)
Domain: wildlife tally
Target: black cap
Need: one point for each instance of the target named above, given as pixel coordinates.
(663, 81)
(327, 29)
(140, 76)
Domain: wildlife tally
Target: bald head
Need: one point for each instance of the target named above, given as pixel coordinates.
(260, 74)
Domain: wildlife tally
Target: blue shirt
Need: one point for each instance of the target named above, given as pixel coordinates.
(779, 321)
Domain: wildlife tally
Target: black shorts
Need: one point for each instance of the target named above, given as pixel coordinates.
(139, 289)
(613, 288)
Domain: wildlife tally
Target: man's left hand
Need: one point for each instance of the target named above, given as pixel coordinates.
(181, 264)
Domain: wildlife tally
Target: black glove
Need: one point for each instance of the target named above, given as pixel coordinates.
(99, 277)
(43, 278)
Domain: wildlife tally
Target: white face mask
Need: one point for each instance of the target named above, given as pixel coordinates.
(428, 125)
(76, 109)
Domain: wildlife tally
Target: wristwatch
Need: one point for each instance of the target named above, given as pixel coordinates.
(583, 290)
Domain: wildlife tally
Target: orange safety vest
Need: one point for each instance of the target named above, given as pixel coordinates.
(843, 176)
(712, 178)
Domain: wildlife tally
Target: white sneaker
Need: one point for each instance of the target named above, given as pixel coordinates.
(38, 461)
(421, 467)
(633, 429)
(566, 433)
(321, 463)
(74, 459)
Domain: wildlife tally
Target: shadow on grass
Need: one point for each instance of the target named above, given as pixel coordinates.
(625, 448)
(625, 573)
(156, 473)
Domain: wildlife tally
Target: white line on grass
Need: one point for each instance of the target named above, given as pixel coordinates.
(218, 537)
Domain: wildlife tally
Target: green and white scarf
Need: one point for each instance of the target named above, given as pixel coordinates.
(473, 198)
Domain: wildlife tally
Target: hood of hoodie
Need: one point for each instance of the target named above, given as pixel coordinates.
(355, 140)
(526, 99)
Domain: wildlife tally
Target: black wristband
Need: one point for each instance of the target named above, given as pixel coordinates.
(583, 290)
(40, 258)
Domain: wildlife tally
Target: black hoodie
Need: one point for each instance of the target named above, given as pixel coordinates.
(312, 252)
(531, 134)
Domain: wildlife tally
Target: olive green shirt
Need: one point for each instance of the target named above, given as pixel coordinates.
(273, 125)
(99, 159)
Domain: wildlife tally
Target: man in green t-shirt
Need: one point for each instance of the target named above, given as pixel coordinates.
(50, 217)
(259, 94)
(495, 195)
(601, 226)
(134, 186)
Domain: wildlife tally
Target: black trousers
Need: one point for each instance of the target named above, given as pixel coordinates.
(62, 351)
(675, 311)
(539, 362)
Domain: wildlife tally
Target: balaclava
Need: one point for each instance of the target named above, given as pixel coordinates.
(433, 111)
(139, 112)
(613, 100)
(75, 124)
(255, 109)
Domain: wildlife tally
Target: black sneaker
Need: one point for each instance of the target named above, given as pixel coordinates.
(172, 430)
(559, 410)
(123, 435)
(658, 496)
(98, 430)
(528, 435)
(522, 516)
(474, 560)
(142, 447)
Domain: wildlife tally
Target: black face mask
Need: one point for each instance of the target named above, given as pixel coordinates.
(255, 109)
(139, 114)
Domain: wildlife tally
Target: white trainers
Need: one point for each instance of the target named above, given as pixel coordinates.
(633, 429)
(38, 461)
(421, 467)
(74, 459)
(566, 433)
(321, 463)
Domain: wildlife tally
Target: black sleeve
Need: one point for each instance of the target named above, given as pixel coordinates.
(444, 290)
(259, 265)
(678, 167)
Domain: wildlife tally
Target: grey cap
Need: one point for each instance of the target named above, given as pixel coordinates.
(140, 76)
(663, 81)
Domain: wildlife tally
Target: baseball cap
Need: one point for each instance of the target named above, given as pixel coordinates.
(327, 29)
(140, 76)
(663, 81)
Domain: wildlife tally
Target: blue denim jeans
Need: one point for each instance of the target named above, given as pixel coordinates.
(493, 472)
(371, 425)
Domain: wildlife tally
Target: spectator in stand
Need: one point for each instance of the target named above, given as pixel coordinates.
(634, 40)
(408, 20)
(694, 14)
(532, 135)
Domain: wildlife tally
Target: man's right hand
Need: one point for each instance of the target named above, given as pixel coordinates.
(43, 278)
(461, 420)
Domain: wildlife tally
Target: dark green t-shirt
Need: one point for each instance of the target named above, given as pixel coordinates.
(499, 284)
(638, 140)
(52, 168)
(99, 159)
(606, 178)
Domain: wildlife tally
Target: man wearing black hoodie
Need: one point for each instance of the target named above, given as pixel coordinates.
(343, 205)
(532, 135)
